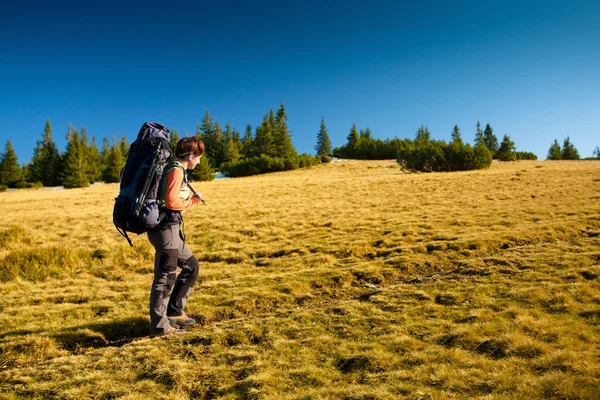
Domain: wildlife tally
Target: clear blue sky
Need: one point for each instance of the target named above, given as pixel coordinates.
(529, 68)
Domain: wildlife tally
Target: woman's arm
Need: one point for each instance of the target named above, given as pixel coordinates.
(172, 200)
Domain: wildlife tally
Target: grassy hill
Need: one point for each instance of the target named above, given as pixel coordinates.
(351, 280)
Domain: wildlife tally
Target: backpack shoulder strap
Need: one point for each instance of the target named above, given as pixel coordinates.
(163, 182)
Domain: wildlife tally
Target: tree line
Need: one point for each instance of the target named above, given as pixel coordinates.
(426, 154)
(568, 151)
(79, 165)
(268, 148)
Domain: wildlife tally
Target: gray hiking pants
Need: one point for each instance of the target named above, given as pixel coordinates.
(171, 252)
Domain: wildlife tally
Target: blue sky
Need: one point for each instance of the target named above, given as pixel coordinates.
(529, 68)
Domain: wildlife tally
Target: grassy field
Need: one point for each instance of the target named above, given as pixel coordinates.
(351, 280)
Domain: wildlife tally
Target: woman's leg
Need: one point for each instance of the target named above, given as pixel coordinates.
(166, 243)
(185, 282)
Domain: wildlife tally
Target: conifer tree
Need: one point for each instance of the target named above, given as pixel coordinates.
(479, 138)
(423, 134)
(353, 140)
(237, 138)
(232, 144)
(482, 157)
(94, 162)
(86, 151)
(10, 170)
(124, 145)
(232, 152)
(555, 152)
(569, 152)
(74, 174)
(212, 136)
(282, 135)
(596, 153)
(203, 171)
(115, 163)
(323, 146)
(45, 163)
(174, 138)
(507, 150)
(456, 137)
(247, 145)
(263, 140)
(365, 135)
(219, 145)
(104, 155)
(490, 139)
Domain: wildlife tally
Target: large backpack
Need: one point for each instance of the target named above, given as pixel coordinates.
(137, 208)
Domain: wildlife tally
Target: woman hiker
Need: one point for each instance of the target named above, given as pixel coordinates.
(167, 313)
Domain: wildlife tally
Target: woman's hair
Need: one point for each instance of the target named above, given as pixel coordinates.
(189, 145)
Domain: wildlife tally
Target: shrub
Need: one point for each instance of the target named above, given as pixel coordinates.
(29, 185)
(429, 156)
(306, 160)
(3, 188)
(526, 155)
(264, 164)
(324, 159)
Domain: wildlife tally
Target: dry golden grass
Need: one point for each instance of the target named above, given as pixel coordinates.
(349, 280)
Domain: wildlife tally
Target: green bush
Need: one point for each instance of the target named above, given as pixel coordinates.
(29, 185)
(430, 156)
(3, 188)
(526, 155)
(306, 160)
(264, 164)
(324, 159)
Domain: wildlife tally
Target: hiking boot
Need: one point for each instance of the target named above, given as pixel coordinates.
(171, 331)
(181, 320)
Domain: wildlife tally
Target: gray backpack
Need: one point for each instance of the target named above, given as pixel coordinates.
(137, 207)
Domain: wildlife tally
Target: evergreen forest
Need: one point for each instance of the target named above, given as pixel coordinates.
(268, 148)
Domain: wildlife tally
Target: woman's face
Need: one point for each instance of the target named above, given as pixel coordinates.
(194, 161)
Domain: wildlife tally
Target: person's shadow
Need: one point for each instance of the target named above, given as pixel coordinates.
(116, 333)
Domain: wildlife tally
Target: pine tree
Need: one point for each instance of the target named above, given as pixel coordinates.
(203, 171)
(104, 155)
(94, 162)
(366, 135)
(507, 150)
(212, 136)
(74, 162)
(124, 145)
(555, 152)
(115, 163)
(86, 152)
(456, 138)
(596, 153)
(237, 137)
(282, 135)
(45, 163)
(247, 145)
(569, 152)
(174, 138)
(490, 139)
(353, 140)
(263, 140)
(423, 134)
(10, 170)
(479, 138)
(232, 152)
(323, 146)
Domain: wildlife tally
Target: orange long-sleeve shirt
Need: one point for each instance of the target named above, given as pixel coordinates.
(176, 198)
